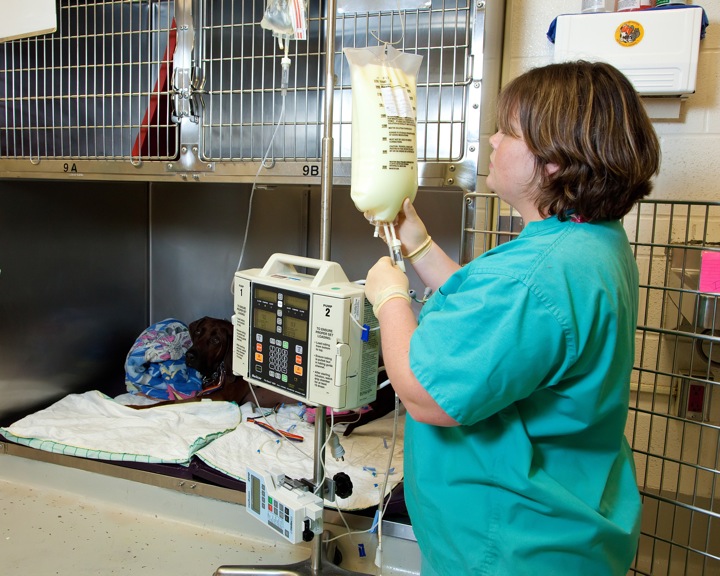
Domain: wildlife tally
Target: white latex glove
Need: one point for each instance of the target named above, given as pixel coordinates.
(385, 282)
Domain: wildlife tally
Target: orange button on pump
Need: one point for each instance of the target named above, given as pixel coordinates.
(258, 357)
(298, 370)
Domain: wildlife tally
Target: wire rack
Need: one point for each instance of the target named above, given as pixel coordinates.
(97, 88)
(674, 419)
(153, 80)
(243, 79)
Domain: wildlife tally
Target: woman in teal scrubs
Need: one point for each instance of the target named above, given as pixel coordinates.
(516, 374)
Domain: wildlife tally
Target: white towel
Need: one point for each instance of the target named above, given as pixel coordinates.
(365, 458)
(92, 425)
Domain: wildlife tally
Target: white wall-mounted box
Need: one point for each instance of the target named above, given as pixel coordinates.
(25, 18)
(656, 49)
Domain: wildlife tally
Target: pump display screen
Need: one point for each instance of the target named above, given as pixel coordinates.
(266, 295)
(255, 489)
(264, 320)
(295, 328)
(279, 333)
(299, 303)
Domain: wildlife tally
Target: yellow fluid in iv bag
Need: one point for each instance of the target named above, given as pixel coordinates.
(384, 141)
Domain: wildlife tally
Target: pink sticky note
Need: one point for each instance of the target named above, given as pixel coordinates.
(710, 272)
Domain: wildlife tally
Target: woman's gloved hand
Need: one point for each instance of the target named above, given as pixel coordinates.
(409, 229)
(385, 282)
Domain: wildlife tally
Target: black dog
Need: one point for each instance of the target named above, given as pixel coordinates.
(211, 355)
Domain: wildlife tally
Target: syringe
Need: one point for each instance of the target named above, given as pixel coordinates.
(394, 245)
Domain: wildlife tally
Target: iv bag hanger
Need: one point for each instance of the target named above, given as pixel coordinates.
(387, 44)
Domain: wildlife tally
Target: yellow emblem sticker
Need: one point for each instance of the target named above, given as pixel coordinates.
(629, 33)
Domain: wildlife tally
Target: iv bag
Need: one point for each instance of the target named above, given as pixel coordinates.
(384, 143)
(285, 19)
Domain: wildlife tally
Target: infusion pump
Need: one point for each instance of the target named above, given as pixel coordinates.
(309, 337)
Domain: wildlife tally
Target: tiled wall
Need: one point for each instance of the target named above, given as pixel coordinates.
(690, 144)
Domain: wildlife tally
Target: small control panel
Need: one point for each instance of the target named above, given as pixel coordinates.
(294, 514)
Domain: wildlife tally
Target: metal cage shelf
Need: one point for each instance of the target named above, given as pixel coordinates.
(154, 88)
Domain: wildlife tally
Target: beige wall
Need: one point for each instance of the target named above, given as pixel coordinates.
(690, 144)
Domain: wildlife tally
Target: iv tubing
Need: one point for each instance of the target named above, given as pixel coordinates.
(252, 191)
(285, 80)
(381, 510)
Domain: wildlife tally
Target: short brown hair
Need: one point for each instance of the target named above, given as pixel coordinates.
(588, 120)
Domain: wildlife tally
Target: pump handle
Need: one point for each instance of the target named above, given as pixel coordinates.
(327, 272)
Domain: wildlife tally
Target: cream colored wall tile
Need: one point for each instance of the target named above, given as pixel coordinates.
(690, 168)
(690, 143)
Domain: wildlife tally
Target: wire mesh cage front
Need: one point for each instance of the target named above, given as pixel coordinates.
(675, 415)
(674, 419)
(97, 88)
(242, 79)
(113, 81)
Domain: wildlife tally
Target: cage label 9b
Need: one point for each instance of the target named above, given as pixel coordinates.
(311, 170)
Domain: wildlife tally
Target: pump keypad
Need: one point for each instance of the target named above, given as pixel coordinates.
(278, 361)
(280, 332)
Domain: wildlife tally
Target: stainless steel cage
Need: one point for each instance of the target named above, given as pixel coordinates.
(97, 88)
(674, 420)
(151, 89)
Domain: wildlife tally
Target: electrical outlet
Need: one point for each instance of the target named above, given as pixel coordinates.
(692, 400)
(696, 398)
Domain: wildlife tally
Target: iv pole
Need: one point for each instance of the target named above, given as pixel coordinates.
(316, 564)
(326, 181)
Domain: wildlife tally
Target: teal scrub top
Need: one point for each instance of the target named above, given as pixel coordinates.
(529, 348)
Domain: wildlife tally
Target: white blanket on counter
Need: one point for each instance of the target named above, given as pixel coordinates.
(365, 457)
(93, 425)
